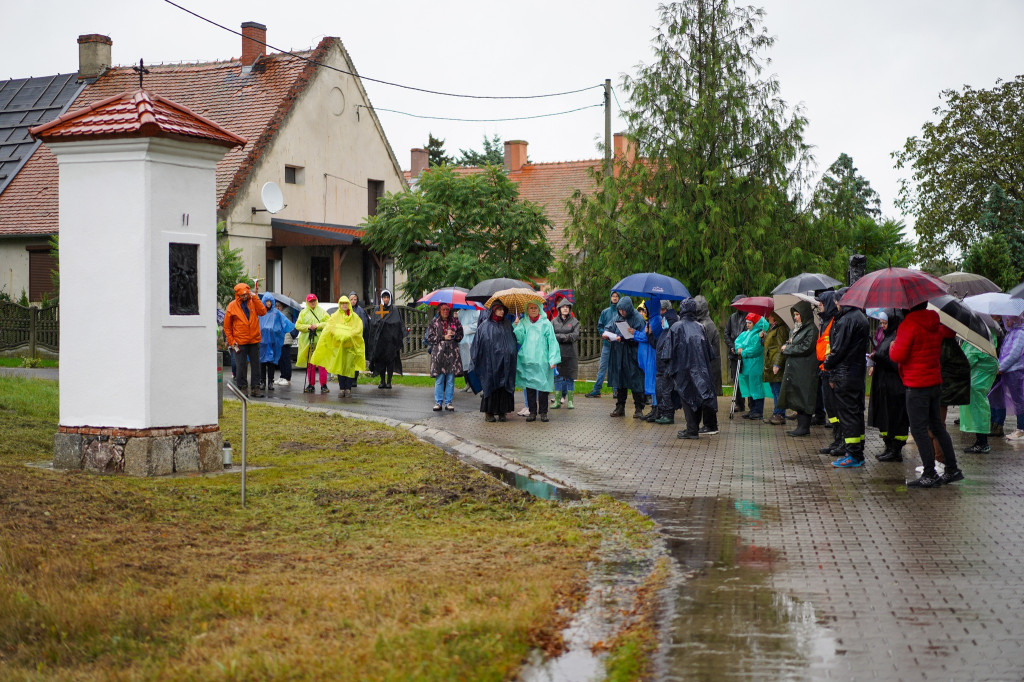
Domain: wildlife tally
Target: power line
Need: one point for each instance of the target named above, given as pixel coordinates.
(479, 120)
(616, 96)
(378, 80)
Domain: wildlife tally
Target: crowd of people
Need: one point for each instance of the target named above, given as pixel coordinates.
(814, 366)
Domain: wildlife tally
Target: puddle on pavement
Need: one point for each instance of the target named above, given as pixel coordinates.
(726, 620)
(544, 491)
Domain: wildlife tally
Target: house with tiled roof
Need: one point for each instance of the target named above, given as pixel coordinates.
(548, 184)
(310, 130)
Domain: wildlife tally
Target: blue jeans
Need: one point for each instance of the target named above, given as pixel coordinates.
(444, 388)
(776, 387)
(563, 385)
(602, 367)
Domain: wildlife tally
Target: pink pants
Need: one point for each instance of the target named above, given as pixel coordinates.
(311, 375)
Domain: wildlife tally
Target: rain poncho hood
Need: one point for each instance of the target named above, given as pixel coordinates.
(605, 317)
(628, 314)
(273, 327)
(689, 356)
(341, 350)
(387, 331)
(538, 351)
(240, 327)
(806, 313)
(829, 301)
(494, 354)
(623, 364)
(751, 349)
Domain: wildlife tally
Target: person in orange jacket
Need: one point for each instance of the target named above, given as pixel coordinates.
(242, 333)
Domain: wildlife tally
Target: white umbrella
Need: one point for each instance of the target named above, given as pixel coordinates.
(784, 304)
(995, 303)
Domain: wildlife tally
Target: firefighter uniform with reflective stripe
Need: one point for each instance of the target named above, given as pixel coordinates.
(829, 311)
(846, 364)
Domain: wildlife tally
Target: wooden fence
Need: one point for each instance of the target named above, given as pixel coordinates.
(33, 327)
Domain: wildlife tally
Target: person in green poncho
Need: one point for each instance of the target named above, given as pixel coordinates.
(974, 418)
(341, 349)
(750, 348)
(538, 355)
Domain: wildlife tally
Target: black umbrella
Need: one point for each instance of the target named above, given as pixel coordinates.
(964, 284)
(967, 324)
(489, 287)
(806, 281)
(1017, 291)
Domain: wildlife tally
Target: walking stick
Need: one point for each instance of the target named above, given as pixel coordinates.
(735, 387)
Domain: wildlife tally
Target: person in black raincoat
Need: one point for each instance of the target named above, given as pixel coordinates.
(799, 368)
(846, 364)
(665, 411)
(828, 311)
(887, 407)
(734, 326)
(690, 369)
(493, 353)
(387, 331)
(624, 373)
(711, 329)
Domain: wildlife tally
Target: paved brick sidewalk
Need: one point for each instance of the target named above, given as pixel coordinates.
(794, 569)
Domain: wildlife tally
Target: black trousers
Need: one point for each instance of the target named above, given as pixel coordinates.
(733, 368)
(620, 398)
(248, 354)
(535, 399)
(268, 373)
(819, 402)
(925, 415)
(285, 363)
(709, 414)
(346, 383)
(663, 389)
(828, 398)
(848, 398)
(692, 425)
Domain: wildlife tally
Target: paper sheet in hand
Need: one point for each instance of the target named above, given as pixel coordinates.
(625, 330)
(609, 335)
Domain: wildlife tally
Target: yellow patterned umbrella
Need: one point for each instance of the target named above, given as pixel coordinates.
(516, 299)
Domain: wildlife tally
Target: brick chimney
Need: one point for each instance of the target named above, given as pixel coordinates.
(420, 161)
(624, 149)
(515, 155)
(93, 55)
(252, 50)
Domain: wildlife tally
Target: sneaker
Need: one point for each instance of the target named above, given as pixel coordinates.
(525, 412)
(618, 412)
(531, 417)
(979, 449)
(709, 432)
(449, 407)
(591, 395)
(1016, 435)
(270, 387)
(281, 382)
(325, 389)
(848, 462)
(437, 407)
(686, 435)
(952, 476)
(544, 416)
(940, 469)
(777, 420)
(309, 389)
(925, 481)
(664, 420)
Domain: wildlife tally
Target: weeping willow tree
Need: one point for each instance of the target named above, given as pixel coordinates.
(719, 153)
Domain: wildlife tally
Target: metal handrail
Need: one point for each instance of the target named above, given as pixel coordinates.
(245, 406)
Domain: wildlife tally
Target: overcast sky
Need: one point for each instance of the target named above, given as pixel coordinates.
(868, 74)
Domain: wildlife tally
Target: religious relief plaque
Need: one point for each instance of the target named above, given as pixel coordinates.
(184, 274)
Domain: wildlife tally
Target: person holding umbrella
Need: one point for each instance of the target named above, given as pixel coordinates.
(607, 316)
(538, 357)
(624, 373)
(846, 364)
(494, 356)
(798, 366)
(443, 335)
(309, 324)
(734, 326)
(887, 408)
(916, 350)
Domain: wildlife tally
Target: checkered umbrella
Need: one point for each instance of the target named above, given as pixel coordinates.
(893, 288)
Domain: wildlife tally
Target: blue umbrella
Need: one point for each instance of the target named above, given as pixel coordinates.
(653, 285)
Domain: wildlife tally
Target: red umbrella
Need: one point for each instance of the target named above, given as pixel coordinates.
(759, 305)
(893, 288)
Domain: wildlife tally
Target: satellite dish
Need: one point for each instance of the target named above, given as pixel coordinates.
(273, 199)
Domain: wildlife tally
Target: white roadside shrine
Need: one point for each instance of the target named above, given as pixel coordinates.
(138, 271)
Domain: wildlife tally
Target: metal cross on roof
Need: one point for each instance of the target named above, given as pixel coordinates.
(141, 70)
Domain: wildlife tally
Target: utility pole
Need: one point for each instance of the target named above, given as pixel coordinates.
(608, 127)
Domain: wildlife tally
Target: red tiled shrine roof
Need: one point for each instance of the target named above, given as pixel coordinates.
(134, 114)
(252, 105)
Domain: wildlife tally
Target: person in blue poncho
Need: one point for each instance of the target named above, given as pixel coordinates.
(646, 355)
(273, 326)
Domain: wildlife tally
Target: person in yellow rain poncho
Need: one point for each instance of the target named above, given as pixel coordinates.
(341, 349)
(310, 325)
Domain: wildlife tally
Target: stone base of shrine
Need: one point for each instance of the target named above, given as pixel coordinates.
(139, 452)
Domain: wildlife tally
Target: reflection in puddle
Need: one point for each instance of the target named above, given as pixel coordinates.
(728, 621)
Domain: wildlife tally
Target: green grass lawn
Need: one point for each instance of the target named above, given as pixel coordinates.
(18, 362)
(363, 554)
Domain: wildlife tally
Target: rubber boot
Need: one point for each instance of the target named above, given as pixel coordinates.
(558, 402)
(568, 400)
(803, 426)
(886, 454)
(893, 453)
(837, 441)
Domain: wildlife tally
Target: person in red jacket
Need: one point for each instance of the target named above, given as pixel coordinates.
(242, 333)
(916, 350)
